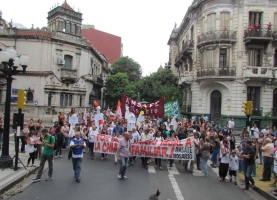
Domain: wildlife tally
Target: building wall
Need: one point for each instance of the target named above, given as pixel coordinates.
(207, 19)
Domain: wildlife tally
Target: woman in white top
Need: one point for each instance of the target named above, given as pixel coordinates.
(31, 141)
(144, 137)
(224, 160)
(158, 160)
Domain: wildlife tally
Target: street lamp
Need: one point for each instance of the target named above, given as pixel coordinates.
(10, 63)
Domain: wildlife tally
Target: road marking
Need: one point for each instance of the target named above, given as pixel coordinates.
(175, 186)
(173, 170)
(151, 169)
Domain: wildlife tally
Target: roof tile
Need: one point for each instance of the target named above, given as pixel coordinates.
(66, 6)
(34, 33)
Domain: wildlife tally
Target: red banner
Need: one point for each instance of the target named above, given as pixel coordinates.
(155, 109)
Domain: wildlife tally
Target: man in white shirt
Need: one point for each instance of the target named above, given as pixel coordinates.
(265, 131)
(255, 131)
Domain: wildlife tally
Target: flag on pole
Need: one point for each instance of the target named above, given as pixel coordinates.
(118, 109)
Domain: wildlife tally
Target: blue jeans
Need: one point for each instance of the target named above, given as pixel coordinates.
(214, 156)
(77, 166)
(241, 166)
(254, 170)
(171, 162)
(247, 175)
(123, 165)
(205, 167)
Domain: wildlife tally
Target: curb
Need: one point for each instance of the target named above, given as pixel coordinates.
(17, 180)
(263, 193)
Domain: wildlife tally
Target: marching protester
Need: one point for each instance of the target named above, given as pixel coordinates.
(123, 154)
(118, 136)
(158, 161)
(77, 145)
(205, 153)
(47, 154)
(145, 136)
(93, 131)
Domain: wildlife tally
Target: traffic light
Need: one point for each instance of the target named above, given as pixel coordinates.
(250, 107)
(21, 99)
(245, 107)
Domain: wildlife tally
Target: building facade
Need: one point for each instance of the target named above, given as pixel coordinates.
(224, 52)
(64, 71)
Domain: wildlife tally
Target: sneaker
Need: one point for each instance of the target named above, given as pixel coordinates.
(60, 156)
(36, 179)
(48, 178)
(235, 182)
(78, 179)
(56, 156)
(125, 177)
(119, 176)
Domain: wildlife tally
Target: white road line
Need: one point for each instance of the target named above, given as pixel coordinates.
(175, 186)
(173, 170)
(151, 169)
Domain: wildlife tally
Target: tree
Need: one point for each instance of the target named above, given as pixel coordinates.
(129, 66)
(116, 85)
(162, 83)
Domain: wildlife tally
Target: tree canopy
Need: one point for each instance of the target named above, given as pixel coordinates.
(117, 84)
(162, 83)
(129, 66)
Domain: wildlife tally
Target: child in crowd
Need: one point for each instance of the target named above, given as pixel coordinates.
(233, 166)
(239, 152)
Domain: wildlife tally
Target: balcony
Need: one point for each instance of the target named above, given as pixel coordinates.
(98, 81)
(216, 72)
(68, 75)
(187, 47)
(260, 36)
(217, 36)
(257, 72)
(179, 59)
(186, 77)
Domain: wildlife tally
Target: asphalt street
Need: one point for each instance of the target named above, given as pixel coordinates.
(99, 181)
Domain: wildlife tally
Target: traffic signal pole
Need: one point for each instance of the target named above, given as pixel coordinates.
(248, 123)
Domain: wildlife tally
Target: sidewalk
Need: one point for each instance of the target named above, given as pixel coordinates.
(9, 177)
(261, 187)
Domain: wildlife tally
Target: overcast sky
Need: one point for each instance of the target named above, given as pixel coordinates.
(143, 25)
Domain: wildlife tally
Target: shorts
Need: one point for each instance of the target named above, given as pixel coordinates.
(232, 173)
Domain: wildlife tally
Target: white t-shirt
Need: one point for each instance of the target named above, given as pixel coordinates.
(159, 138)
(92, 135)
(234, 163)
(231, 124)
(265, 132)
(226, 157)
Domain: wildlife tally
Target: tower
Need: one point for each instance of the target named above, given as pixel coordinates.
(64, 18)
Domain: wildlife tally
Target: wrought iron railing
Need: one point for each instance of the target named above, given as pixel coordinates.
(258, 33)
(216, 71)
(217, 35)
(187, 44)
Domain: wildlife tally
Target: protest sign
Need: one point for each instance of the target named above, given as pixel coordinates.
(141, 118)
(98, 116)
(172, 108)
(178, 150)
(73, 120)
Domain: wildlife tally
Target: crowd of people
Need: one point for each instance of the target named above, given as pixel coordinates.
(210, 139)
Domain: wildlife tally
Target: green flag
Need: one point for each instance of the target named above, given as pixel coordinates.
(172, 108)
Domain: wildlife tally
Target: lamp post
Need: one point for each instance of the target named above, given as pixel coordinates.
(10, 62)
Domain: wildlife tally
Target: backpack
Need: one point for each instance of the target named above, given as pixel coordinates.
(59, 137)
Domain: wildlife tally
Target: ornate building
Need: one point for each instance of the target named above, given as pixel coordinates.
(65, 70)
(224, 52)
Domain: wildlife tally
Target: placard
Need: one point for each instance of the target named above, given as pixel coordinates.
(141, 118)
(98, 116)
(73, 120)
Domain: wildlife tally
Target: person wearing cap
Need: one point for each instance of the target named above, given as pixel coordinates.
(267, 151)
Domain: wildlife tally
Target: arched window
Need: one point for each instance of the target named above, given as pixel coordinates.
(30, 97)
(68, 61)
(70, 100)
(49, 99)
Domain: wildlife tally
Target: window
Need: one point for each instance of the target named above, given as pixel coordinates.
(66, 99)
(68, 61)
(210, 58)
(68, 27)
(224, 20)
(30, 97)
(255, 57)
(211, 22)
(223, 58)
(255, 18)
(192, 33)
(73, 29)
(64, 26)
(253, 94)
(49, 99)
(81, 101)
